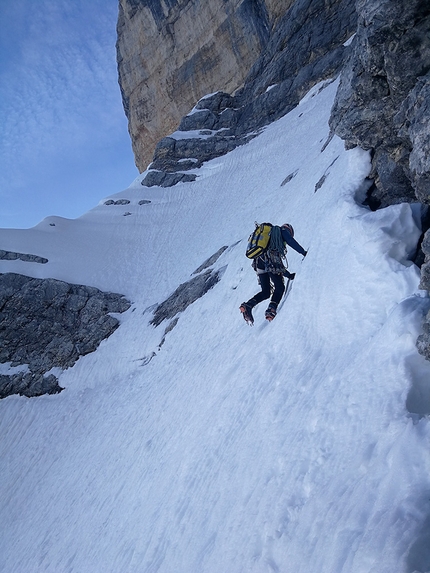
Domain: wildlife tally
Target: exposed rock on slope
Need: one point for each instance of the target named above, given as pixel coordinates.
(45, 324)
(189, 292)
(12, 256)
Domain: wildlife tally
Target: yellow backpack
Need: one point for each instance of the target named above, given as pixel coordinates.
(258, 240)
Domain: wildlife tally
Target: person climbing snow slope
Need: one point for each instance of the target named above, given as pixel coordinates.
(271, 268)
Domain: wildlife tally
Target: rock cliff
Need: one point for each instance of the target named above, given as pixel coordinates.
(382, 101)
(172, 52)
(304, 48)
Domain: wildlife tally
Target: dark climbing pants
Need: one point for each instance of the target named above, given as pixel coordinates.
(266, 281)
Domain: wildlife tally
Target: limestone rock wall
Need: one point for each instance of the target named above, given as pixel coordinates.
(172, 52)
(382, 102)
(383, 105)
(305, 47)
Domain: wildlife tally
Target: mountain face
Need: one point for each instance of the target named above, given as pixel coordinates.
(381, 104)
(190, 442)
(305, 48)
(172, 53)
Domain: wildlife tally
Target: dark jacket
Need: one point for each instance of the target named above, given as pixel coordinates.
(261, 263)
(291, 242)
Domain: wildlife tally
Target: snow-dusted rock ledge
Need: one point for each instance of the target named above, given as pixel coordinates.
(26, 257)
(48, 324)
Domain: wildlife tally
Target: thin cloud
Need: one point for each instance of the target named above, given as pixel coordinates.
(60, 99)
(64, 79)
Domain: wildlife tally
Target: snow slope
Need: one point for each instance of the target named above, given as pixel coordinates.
(294, 447)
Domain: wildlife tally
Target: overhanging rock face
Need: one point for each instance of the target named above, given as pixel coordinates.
(171, 53)
(304, 48)
(46, 324)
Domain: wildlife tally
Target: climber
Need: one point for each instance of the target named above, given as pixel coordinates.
(271, 270)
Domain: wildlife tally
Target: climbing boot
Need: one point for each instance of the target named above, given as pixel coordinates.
(271, 311)
(246, 311)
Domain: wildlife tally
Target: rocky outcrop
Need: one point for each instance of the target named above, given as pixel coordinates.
(28, 258)
(305, 48)
(186, 294)
(46, 324)
(382, 101)
(423, 342)
(170, 53)
(203, 279)
(383, 105)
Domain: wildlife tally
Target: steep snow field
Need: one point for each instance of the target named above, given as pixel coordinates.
(299, 446)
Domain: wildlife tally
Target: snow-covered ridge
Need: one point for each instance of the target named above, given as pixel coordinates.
(300, 445)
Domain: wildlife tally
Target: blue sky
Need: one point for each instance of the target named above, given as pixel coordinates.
(64, 143)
